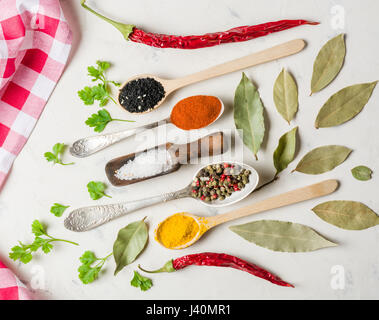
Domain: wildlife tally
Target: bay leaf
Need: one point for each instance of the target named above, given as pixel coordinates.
(328, 63)
(323, 159)
(130, 242)
(361, 173)
(282, 236)
(286, 95)
(248, 114)
(285, 152)
(350, 215)
(344, 105)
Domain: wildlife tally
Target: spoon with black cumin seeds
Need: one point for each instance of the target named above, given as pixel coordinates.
(144, 93)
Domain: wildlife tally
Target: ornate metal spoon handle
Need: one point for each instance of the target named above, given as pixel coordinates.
(87, 218)
(88, 146)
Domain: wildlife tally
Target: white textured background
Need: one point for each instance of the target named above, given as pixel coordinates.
(34, 185)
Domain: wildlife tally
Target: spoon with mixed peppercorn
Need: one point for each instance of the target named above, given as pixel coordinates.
(144, 93)
(216, 185)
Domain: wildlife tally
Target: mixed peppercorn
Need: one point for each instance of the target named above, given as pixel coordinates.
(219, 181)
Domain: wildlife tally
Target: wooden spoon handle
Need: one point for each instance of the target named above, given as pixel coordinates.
(295, 196)
(207, 146)
(279, 51)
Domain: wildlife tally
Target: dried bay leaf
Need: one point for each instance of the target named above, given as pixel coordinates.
(286, 95)
(344, 105)
(348, 215)
(362, 173)
(328, 63)
(130, 242)
(248, 114)
(285, 152)
(323, 159)
(282, 236)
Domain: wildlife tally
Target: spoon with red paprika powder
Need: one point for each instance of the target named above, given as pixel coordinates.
(191, 113)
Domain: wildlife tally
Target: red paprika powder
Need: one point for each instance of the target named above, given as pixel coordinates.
(196, 112)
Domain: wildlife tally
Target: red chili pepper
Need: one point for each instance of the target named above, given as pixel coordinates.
(239, 34)
(220, 260)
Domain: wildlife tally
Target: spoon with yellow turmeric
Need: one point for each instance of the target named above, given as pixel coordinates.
(182, 230)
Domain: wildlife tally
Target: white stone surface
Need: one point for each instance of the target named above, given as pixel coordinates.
(34, 185)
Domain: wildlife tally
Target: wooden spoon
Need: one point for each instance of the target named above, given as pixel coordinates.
(210, 145)
(295, 196)
(274, 53)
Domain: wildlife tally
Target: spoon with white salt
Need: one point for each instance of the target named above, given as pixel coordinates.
(87, 146)
(161, 160)
(87, 218)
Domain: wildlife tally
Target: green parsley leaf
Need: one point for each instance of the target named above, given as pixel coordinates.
(100, 120)
(94, 73)
(37, 228)
(88, 257)
(101, 92)
(103, 65)
(141, 282)
(23, 252)
(96, 190)
(46, 247)
(87, 272)
(58, 209)
(86, 96)
(55, 156)
(19, 253)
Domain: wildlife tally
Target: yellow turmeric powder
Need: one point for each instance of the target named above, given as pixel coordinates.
(177, 230)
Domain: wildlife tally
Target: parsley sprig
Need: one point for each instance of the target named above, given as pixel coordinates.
(89, 269)
(96, 190)
(57, 209)
(24, 252)
(55, 156)
(101, 92)
(141, 282)
(100, 120)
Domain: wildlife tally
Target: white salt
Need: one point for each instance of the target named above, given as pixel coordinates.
(146, 164)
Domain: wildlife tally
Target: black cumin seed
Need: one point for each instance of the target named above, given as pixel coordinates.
(141, 95)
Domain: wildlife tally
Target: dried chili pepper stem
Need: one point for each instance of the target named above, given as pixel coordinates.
(125, 29)
(219, 260)
(239, 34)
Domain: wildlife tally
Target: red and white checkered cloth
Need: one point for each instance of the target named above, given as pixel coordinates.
(35, 41)
(10, 287)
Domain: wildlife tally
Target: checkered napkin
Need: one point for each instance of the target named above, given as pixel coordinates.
(35, 41)
(10, 287)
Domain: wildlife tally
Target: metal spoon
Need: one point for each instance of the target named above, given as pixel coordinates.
(87, 218)
(285, 199)
(87, 146)
(274, 53)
